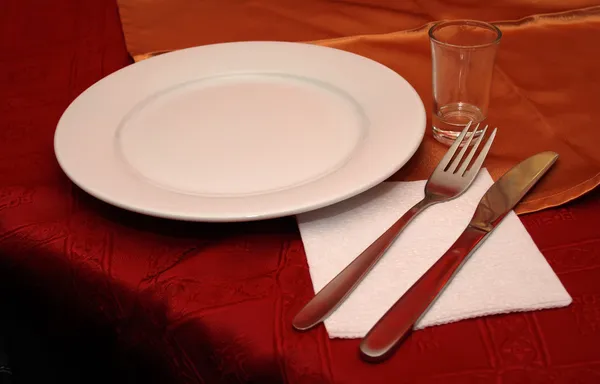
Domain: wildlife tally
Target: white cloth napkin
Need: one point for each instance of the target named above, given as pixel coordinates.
(506, 274)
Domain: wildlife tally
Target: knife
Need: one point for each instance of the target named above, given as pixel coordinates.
(397, 323)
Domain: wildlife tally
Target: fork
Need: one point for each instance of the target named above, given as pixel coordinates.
(447, 182)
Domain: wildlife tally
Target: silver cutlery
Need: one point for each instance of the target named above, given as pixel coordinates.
(449, 180)
(498, 201)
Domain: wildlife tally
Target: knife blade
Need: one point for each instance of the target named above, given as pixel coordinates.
(397, 323)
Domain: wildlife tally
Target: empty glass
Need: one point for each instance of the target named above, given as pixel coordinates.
(463, 55)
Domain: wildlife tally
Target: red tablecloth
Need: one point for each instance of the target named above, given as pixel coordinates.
(128, 298)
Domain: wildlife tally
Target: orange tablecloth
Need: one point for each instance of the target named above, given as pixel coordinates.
(163, 25)
(546, 81)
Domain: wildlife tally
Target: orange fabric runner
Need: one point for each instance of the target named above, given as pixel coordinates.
(163, 25)
(546, 83)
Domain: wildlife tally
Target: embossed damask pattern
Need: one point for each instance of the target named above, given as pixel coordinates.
(191, 303)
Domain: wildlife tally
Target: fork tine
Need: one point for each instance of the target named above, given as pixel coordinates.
(460, 155)
(465, 164)
(452, 150)
(477, 165)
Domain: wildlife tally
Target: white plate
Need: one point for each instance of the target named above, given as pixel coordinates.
(240, 131)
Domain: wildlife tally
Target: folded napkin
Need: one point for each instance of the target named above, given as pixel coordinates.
(506, 274)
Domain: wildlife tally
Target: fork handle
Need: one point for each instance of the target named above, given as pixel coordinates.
(397, 323)
(336, 291)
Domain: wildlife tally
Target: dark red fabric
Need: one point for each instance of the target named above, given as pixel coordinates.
(150, 300)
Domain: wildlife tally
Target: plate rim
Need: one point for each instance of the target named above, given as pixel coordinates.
(222, 217)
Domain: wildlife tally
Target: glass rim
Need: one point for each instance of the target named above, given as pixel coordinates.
(476, 23)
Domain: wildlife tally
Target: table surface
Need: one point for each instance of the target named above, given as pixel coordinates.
(137, 299)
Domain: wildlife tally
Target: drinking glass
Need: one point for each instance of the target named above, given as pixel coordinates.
(463, 54)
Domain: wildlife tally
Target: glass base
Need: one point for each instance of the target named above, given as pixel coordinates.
(453, 118)
(447, 137)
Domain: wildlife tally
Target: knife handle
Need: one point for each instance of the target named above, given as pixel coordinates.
(336, 291)
(399, 320)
